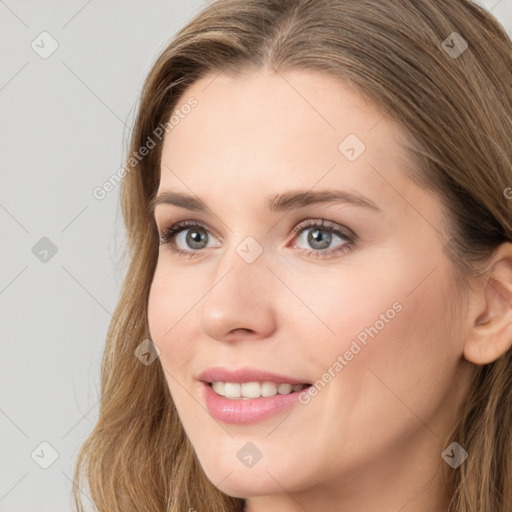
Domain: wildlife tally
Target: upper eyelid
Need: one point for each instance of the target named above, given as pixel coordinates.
(324, 223)
(188, 224)
(303, 225)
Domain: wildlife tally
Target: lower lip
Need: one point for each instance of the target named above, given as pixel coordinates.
(231, 410)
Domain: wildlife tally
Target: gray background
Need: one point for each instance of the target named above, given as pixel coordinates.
(64, 130)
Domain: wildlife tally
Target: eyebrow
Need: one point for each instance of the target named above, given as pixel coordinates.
(278, 203)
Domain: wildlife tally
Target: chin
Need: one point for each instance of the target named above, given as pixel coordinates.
(260, 480)
(248, 485)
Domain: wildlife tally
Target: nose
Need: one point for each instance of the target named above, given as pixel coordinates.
(239, 301)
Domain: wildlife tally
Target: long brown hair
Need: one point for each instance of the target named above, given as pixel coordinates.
(456, 105)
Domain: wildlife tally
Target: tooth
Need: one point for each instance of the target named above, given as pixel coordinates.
(232, 389)
(251, 389)
(218, 387)
(248, 390)
(284, 389)
(268, 389)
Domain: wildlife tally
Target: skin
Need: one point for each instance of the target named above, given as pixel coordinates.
(372, 439)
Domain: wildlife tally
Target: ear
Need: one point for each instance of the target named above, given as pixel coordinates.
(490, 333)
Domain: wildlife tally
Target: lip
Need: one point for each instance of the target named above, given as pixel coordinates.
(220, 374)
(252, 410)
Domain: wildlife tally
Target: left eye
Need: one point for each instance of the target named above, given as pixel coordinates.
(319, 238)
(319, 234)
(189, 237)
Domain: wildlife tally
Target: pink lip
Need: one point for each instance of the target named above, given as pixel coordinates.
(240, 411)
(219, 374)
(232, 410)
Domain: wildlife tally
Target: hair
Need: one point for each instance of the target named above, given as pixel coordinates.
(457, 113)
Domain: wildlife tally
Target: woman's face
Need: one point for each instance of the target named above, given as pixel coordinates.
(310, 256)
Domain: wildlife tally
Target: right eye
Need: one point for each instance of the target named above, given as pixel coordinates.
(186, 238)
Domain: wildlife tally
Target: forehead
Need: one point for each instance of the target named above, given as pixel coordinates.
(267, 131)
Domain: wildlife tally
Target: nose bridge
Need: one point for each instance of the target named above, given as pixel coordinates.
(236, 298)
(244, 265)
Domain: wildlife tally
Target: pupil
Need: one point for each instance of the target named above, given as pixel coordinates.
(195, 238)
(319, 239)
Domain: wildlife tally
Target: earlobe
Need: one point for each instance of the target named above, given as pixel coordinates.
(490, 335)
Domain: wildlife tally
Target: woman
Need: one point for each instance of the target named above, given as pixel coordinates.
(318, 310)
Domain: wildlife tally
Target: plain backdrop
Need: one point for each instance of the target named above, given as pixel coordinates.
(71, 74)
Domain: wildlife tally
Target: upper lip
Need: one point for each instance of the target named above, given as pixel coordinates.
(220, 374)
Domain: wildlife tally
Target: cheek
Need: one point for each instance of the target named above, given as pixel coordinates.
(170, 299)
(394, 341)
(406, 368)
(158, 308)
(397, 378)
(173, 292)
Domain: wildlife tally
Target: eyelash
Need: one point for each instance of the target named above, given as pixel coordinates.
(169, 235)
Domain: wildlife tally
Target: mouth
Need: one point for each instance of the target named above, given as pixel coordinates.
(255, 389)
(252, 402)
(248, 395)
